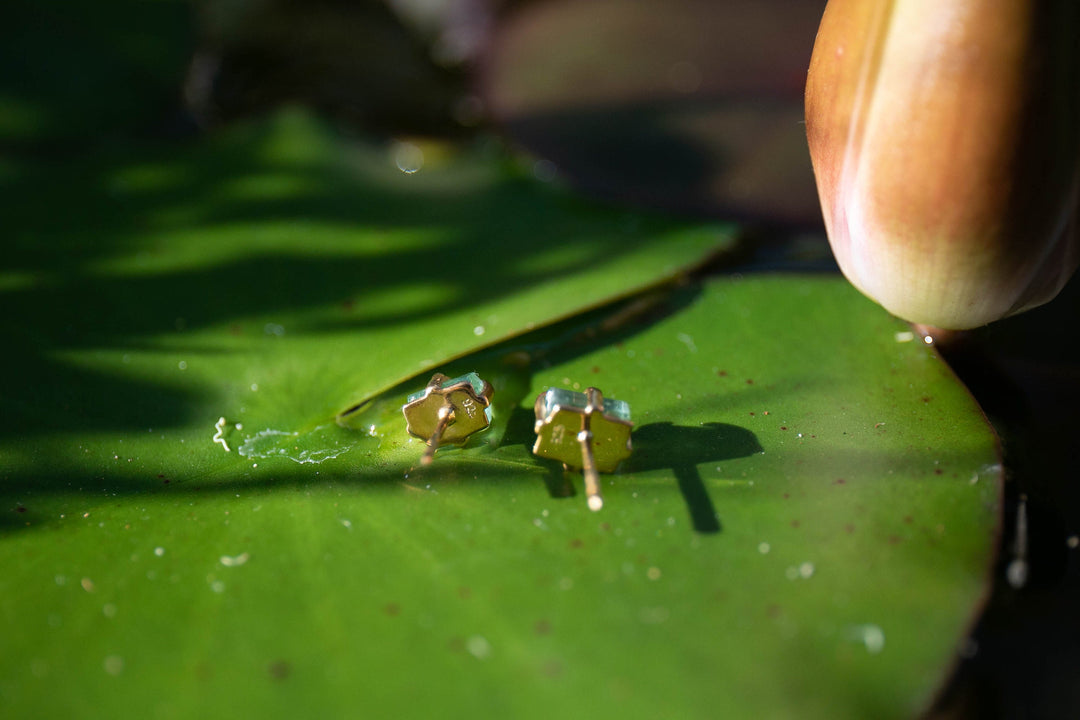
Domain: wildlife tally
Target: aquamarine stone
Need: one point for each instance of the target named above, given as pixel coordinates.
(617, 409)
(569, 399)
(472, 378)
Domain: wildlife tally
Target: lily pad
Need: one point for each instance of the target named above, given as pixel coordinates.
(804, 530)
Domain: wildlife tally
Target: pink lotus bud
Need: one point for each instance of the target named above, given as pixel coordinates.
(945, 138)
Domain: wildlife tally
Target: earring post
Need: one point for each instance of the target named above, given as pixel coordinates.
(446, 415)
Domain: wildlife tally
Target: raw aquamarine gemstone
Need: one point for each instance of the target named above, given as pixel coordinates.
(570, 399)
(472, 378)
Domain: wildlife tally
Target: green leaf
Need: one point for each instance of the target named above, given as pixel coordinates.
(804, 528)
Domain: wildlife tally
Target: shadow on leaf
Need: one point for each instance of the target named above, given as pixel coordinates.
(663, 445)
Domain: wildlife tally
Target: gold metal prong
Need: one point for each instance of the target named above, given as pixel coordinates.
(588, 468)
(446, 415)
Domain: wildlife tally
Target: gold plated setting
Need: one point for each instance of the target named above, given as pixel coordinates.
(583, 430)
(448, 411)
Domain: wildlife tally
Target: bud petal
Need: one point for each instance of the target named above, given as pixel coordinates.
(945, 138)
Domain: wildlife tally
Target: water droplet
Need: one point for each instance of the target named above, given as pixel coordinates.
(109, 610)
(87, 584)
(159, 551)
(408, 158)
(653, 573)
(234, 561)
(182, 365)
(114, 664)
(687, 341)
(1017, 573)
(654, 615)
(478, 330)
(806, 570)
(873, 638)
(1073, 542)
(478, 647)
(764, 548)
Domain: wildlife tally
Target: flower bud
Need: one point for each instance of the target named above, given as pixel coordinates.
(945, 139)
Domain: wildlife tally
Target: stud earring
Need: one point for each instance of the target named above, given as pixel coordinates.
(583, 430)
(448, 410)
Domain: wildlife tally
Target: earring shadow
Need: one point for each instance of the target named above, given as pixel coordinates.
(681, 449)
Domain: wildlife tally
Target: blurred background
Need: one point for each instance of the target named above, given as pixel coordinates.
(691, 106)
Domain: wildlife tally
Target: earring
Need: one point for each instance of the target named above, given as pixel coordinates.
(583, 430)
(448, 410)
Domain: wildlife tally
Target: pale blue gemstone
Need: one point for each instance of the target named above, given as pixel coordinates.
(569, 399)
(472, 378)
(617, 409)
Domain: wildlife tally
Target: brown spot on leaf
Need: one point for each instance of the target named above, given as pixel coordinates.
(795, 523)
(279, 669)
(849, 528)
(464, 592)
(20, 508)
(721, 373)
(595, 369)
(908, 519)
(894, 539)
(749, 381)
(576, 543)
(552, 669)
(839, 481)
(542, 627)
(392, 609)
